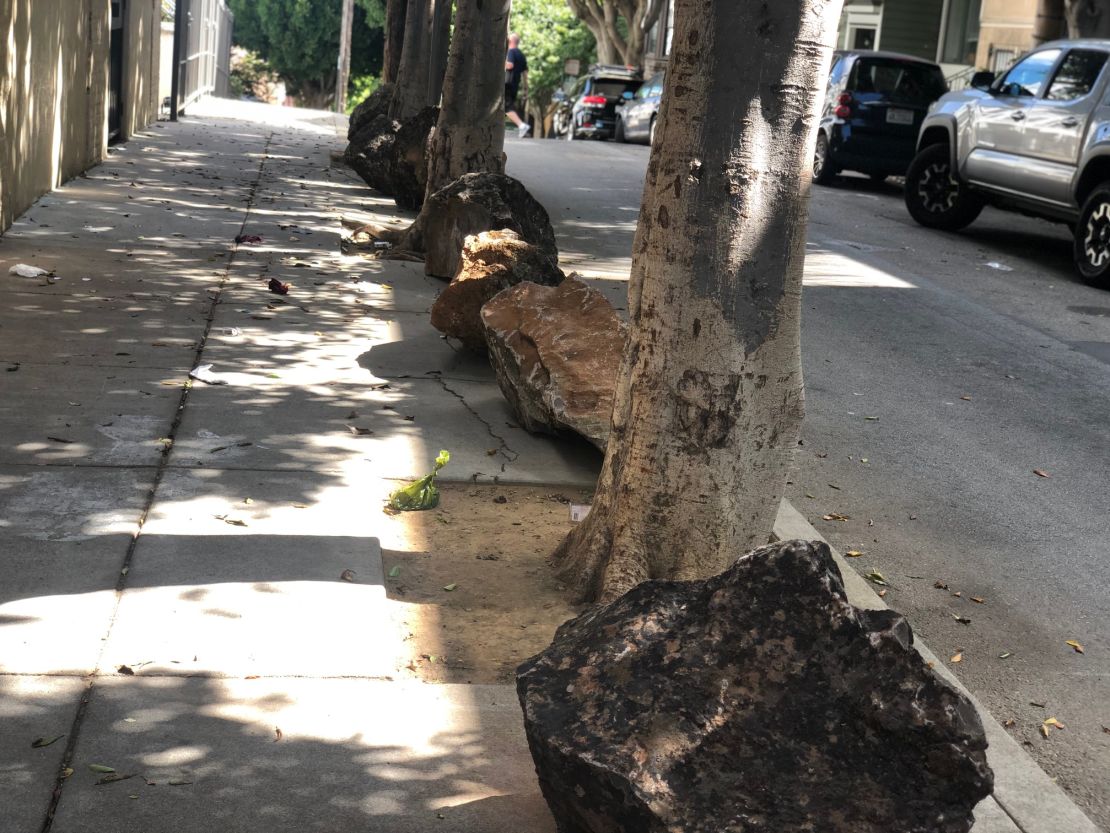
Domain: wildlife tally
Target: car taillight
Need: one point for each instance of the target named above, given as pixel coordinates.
(843, 106)
(593, 99)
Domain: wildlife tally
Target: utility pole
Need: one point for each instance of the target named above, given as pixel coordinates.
(344, 74)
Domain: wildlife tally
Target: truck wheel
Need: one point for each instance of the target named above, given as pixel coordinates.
(935, 197)
(618, 131)
(824, 172)
(1092, 238)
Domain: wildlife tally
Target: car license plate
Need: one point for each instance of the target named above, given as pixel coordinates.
(896, 116)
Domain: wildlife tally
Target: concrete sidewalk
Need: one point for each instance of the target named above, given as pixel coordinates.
(172, 604)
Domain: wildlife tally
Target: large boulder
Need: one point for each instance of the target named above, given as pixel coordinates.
(475, 203)
(757, 700)
(375, 104)
(370, 152)
(390, 155)
(556, 352)
(491, 262)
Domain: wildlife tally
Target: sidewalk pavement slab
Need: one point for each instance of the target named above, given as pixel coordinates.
(64, 533)
(296, 755)
(32, 707)
(243, 604)
(115, 420)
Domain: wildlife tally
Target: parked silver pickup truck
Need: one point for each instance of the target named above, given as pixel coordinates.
(1035, 140)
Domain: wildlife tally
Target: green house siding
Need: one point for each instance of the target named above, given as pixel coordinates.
(912, 26)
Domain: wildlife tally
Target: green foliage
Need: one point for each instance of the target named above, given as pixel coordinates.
(249, 75)
(300, 39)
(549, 34)
(360, 89)
(422, 493)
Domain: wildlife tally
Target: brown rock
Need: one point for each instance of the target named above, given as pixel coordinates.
(390, 156)
(479, 202)
(491, 262)
(375, 104)
(757, 700)
(556, 352)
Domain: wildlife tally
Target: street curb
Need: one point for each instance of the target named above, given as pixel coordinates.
(1023, 791)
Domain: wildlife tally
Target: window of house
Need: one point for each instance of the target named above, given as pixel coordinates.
(1077, 75)
(960, 39)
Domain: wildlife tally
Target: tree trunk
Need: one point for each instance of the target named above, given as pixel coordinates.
(427, 27)
(1048, 24)
(470, 133)
(613, 46)
(708, 402)
(394, 39)
(440, 38)
(1088, 18)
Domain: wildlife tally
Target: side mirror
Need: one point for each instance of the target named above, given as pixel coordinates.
(982, 80)
(628, 95)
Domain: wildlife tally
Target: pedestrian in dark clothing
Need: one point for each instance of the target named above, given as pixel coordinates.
(516, 71)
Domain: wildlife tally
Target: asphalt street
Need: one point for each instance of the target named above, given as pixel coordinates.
(958, 404)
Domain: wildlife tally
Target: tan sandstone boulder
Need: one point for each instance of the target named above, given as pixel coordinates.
(556, 352)
(491, 262)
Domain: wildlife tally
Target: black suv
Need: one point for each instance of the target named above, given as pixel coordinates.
(589, 107)
(874, 107)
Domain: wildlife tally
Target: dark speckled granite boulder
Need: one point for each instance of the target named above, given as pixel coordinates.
(757, 700)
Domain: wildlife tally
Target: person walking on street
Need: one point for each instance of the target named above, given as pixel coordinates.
(516, 71)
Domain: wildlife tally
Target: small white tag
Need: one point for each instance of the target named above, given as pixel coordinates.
(578, 512)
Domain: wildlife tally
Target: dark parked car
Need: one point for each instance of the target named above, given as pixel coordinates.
(874, 108)
(636, 117)
(589, 108)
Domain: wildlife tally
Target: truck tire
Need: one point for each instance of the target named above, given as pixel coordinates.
(1092, 238)
(936, 198)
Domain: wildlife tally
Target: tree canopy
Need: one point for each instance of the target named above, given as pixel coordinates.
(300, 40)
(550, 34)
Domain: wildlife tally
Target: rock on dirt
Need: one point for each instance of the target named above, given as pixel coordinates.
(389, 155)
(375, 104)
(479, 202)
(556, 352)
(491, 262)
(758, 699)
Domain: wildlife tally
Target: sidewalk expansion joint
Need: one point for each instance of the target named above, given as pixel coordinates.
(160, 470)
(503, 447)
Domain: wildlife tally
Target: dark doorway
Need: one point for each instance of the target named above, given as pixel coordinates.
(115, 71)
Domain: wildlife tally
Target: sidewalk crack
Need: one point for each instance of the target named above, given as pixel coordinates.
(503, 448)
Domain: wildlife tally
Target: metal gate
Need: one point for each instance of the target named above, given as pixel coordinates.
(201, 51)
(115, 70)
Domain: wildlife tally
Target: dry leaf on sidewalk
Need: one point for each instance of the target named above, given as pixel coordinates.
(1075, 645)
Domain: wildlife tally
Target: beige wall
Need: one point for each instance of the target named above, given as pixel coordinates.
(54, 90)
(1004, 25)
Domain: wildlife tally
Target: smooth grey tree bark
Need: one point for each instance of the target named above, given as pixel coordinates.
(709, 396)
(616, 43)
(418, 85)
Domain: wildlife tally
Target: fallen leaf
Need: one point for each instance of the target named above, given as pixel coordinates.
(278, 735)
(40, 743)
(396, 571)
(876, 577)
(871, 419)
(882, 593)
(278, 287)
(62, 440)
(67, 771)
(232, 521)
(940, 585)
(490, 452)
(835, 516)
(966, 398)
(1005, 655)
(450, 587)
(958, 657)
(1008, 722)
(853, 554)
(1044, 730)
(978, 600)
(1041, 473)
(101, 768)
(178, 782)
(113, 777)
(359, 431)
(126, 670)
(1106, 729)
(347, 575)
(1052, 721)
(1035, 703)
(963, 620)
(958, 594)
(1078, 648)
(834, 486)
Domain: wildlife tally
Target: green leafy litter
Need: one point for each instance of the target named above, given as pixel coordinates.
(422, 493)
